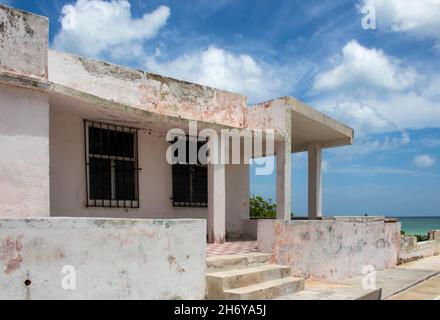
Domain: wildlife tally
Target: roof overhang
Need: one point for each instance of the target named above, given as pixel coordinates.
(305, 125)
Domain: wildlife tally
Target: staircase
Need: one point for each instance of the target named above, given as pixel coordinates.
(248, 276)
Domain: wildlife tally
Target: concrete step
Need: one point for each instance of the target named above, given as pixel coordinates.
(219, 282)
(266, 290)
(236, 261)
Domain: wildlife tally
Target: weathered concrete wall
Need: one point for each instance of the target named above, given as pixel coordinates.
(332, 249)
(410, 249)
(113, 258)
(147, 91)
(23, 42)
(268, 115)
(68, 180)
(24, 153)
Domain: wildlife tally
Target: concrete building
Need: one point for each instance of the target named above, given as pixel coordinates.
(81, 138)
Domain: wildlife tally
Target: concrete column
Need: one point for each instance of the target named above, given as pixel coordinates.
(315, 181)
(216, 203)
(283, 178)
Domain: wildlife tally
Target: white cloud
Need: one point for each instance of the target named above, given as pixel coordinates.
(221, 69)
(420, 18)
(362, 67)
(369, 171)
(364, 118)
(424, 161)
(373, 92)
(408, 110)
(97, 28)
(367, 146)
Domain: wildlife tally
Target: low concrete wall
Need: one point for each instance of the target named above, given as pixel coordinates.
(411, 250)
(112, 258)
(333, 248)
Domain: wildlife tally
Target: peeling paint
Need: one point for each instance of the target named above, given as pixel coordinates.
(23, 42)
(10, 253)
(339, 248)
(110, 263)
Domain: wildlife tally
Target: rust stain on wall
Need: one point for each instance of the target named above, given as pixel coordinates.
(10, 253)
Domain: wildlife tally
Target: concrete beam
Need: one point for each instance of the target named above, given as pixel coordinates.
(315, 181)
(325, 144)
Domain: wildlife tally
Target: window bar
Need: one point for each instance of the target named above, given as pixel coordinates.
(86, 161)
(128, 158)
(108, 155)
(100, 152)
(93, 164)
(130, 150)
(115, 138)
(136, 159)
(122, 165)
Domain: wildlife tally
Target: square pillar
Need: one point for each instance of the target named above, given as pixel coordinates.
(216, 203)
(315, 181)
(283, 178)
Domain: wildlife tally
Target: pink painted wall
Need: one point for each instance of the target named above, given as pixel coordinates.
(67, 177)
(331, 249)
(24, 153)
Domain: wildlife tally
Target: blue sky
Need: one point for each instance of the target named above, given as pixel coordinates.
(384, 82)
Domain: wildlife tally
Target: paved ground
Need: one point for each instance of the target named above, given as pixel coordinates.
(428, 289)
(419, 280)
(395, 280)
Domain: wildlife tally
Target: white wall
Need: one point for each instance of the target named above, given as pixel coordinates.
(112, 258)
(24, 153)
(68, 193)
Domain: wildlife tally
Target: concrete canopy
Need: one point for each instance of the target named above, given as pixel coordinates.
(304, 125)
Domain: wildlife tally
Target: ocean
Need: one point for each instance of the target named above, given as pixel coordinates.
(419, 225)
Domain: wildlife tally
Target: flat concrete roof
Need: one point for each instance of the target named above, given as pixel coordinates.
(307, 125)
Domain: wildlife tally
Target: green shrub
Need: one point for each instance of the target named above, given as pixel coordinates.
(260, 208)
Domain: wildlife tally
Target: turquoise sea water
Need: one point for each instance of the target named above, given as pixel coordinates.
(419, 225)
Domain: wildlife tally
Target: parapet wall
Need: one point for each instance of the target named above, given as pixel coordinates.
(103, 258)
(23, 43)
(333, 248)
(411, 249)
(147, 91)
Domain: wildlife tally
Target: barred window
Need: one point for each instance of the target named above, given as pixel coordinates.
(190, 182)
(111, 166)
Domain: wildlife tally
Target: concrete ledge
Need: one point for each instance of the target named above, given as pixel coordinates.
(110, 258)
(411, 249)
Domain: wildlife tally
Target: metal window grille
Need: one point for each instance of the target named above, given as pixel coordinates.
(190, 182)
(112, 170)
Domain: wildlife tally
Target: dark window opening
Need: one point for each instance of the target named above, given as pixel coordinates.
(190, 181)
(112, 166)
